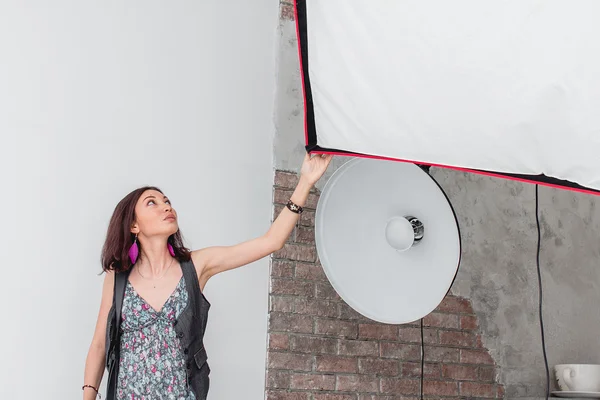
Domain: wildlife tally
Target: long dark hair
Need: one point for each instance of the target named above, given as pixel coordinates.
(119, 238)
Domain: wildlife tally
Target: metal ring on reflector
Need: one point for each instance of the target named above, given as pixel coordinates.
(388, 239)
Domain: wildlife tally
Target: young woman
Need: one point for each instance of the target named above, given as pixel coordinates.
(150, 328)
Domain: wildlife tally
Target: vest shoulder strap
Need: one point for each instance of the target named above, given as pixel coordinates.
(119, 294)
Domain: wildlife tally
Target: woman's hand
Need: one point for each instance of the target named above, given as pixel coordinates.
(314, 167)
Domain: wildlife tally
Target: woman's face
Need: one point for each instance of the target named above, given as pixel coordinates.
(154, 215)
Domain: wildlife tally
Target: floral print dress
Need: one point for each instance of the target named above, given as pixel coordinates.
(152, 366)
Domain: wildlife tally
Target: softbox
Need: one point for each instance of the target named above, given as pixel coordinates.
(506, 87)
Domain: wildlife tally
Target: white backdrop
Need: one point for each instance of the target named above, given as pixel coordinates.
(95, 100)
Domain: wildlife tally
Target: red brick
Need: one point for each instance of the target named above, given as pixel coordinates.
(314, 345)
(500, 392)
(468, 322)
(312, 201)
(477, 389)
(319, 308)
(284, 395)
(358, 348)
(296, 252)
(413, 370)
(476, 357)
(487, 374)
(455, 305)
(460, 372)
(330, 327)
(312, 382)
(281, 196)
(329, 396)
(384, 397)
(357, 383)
(337, 364)
(291, 239)
(455, 338)
(378, 331)
(279, 341)
(281, 304)
(441, 354)
(310, 271)
(282, 269)
(305, 235)
(287, 12)
(441, 320)
(400, 351)
(278, 379)
(290, 323)
(287, 180)
(292, 287)
(326, 291)
(378, 367)
(409, 334)
(438, 388)
(478, 342)
(400, 386)
(431, 336)
(277, 208)
(291, 361)
(347, 312)
(307, 218)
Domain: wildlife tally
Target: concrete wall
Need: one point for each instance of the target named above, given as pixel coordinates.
(498, 269)
(498, 273)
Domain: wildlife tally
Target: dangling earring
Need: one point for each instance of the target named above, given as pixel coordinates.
(171, 251)
(134, 251)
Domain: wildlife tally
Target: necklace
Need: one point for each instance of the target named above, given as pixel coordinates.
(163, 274)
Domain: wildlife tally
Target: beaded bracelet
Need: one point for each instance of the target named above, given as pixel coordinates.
(293, 207)
(90, 386)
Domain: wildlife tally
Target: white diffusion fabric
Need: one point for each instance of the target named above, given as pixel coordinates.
(510, 86)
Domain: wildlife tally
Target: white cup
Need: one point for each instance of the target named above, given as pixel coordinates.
(578, 377)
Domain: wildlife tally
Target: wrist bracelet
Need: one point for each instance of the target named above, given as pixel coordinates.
(96, 390)
(293, 207)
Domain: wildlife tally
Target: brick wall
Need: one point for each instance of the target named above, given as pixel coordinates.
(321, 349)
(286, 9)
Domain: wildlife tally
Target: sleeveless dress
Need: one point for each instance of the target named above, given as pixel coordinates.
(152, 365)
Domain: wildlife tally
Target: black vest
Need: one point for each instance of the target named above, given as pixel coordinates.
(190, 327)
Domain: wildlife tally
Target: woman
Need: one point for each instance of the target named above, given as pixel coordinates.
(153, 314)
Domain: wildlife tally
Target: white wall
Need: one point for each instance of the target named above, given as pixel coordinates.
(95, 100)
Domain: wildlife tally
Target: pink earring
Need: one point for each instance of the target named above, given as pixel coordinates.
(171, 251)
(134, 251)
